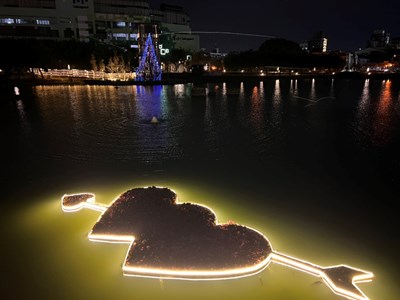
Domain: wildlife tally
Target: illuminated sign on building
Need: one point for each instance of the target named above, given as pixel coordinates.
(163, 51)
(171, 240)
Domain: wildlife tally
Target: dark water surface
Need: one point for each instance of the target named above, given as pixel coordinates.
(312, 163)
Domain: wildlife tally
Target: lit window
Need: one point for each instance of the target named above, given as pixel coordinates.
(7, 21)
(120, 24)
(43, 22)
(120, 35)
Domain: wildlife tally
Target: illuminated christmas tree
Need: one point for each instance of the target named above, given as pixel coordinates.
(149, 67)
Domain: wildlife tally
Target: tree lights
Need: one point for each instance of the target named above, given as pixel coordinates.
(149, 66)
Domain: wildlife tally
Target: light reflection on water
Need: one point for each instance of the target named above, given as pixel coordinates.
(376, 117)
(382, 121)
(312, 90)
(276, 104)
(252, 151)
(294, 87)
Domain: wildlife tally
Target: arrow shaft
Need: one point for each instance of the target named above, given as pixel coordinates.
(95, 206)
(297, 264)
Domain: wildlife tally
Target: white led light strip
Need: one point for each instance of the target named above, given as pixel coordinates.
(340, 279)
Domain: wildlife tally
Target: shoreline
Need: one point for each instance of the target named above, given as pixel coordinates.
(184, 78)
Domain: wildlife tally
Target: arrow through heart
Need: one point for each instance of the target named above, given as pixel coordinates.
(184, 241)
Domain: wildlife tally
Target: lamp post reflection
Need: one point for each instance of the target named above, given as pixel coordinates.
(276, 104)
(363, 113)
(382, 126)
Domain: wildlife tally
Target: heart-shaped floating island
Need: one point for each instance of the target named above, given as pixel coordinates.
(174, 240)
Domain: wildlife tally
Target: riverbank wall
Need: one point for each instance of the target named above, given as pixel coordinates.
(183, 78)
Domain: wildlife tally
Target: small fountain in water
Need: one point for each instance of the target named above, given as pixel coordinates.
(154, 120)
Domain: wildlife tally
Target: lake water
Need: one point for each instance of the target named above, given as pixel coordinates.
(312, 163)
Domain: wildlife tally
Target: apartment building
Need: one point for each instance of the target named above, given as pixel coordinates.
(104, 20)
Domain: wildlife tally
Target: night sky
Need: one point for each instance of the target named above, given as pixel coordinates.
(347, 24)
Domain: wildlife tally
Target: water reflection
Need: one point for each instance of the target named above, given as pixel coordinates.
(363, 112)
(152, 141)
(312, 90)
(104, 121)
(383, 119)
(179, 90)
(262, 89)
(294, 87)
(276, 116)
(149, 103)
(376, 116)
(255, 142)
(23, 120)
(224, 90)
(241, 91)
(332, 90)
(257, 110)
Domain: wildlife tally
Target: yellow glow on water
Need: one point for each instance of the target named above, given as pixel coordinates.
(51, 257)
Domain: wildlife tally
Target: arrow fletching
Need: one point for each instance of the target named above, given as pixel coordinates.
(75, 202)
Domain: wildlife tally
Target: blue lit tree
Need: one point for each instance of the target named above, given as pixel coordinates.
(149, 66)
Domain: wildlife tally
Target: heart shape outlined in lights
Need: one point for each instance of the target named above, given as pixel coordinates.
(171, 240)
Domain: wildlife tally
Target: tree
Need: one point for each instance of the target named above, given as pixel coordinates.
(281, 52)
(280, 47)
(101, 66)
(242, 60)
(93, 62)
(115, 64)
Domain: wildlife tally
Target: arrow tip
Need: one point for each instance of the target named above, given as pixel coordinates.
(342, 281)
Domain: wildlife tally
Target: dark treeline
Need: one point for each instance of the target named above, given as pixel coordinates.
(281, 52)
(20, 54)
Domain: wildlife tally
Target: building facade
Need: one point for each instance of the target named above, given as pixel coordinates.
(379, 39)
(317, 44)
(46, 19)
(103, 20)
